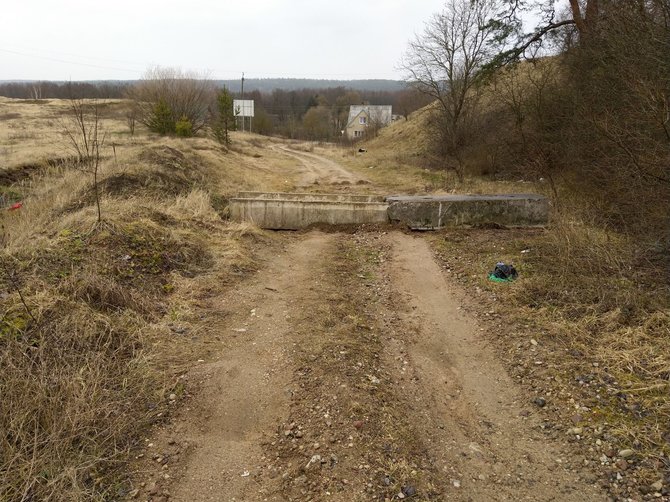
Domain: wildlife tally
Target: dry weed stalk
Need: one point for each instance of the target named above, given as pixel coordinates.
(10, 274)
(85, 135)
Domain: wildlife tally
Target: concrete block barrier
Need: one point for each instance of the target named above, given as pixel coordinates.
(438, 211)
(292, 211)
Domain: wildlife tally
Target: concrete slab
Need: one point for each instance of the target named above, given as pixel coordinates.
(427, 212)
(292, 211)
(286, 211)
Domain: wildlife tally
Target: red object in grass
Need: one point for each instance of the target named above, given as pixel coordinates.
(16, 206)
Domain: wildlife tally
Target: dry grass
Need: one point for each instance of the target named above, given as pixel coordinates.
(601, 313)
(88, 365)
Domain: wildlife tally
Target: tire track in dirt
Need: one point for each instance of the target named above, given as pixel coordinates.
(247, 391)
(318, 170)
(468, 407)
(356, 376)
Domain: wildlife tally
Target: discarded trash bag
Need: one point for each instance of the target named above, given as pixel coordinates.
(503, 273)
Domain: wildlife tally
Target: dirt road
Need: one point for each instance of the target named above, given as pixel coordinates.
(347, 372)
(317, 170)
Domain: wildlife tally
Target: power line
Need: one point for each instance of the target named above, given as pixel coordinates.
(89, 65)
(217, 71)
(78, 56)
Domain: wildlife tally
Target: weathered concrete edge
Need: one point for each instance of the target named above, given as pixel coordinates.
(435, 214)
(293, 215)
(280, 211)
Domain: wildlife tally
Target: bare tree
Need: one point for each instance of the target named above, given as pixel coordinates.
(444, 62)
(83, 130)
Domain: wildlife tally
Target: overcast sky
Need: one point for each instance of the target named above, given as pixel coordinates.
(120, 39)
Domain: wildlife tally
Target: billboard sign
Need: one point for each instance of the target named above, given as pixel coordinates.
(243, 107)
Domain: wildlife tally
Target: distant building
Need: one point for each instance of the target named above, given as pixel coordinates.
(362, 117)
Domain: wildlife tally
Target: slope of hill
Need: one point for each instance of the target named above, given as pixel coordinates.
(100, 318)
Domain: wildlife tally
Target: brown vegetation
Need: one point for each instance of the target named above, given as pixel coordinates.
(92, 314)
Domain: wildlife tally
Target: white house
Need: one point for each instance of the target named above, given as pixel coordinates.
(362, 117)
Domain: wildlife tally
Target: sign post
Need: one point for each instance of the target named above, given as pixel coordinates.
(244, 108)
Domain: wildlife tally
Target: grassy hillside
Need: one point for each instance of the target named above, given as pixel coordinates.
(99, 319)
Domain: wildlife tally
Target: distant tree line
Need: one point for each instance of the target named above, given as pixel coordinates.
(63, 90)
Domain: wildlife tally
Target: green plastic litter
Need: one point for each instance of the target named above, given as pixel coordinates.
(498, 279)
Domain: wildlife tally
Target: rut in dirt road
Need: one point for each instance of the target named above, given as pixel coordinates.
(357, 377)
(463, 398)
(400, 396)
(248, 390)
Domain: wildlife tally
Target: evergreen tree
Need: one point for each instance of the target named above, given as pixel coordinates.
(225, 120)
(161, 119)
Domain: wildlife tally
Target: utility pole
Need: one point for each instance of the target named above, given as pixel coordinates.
(243, 100)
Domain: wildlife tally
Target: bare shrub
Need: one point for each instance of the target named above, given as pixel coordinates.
(165, 95)
(131, 119)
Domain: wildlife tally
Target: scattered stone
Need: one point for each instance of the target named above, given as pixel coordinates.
(621, 464)
(626, 453)
(152, 489)
(533, 341)
(540, 401)
(314, 461)
(577, 418)
(409, 491)
(457, 483)
(658, 486)
(300, 480)
(359, 424)
(400, 495)
(173, 397)
(577, 431)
